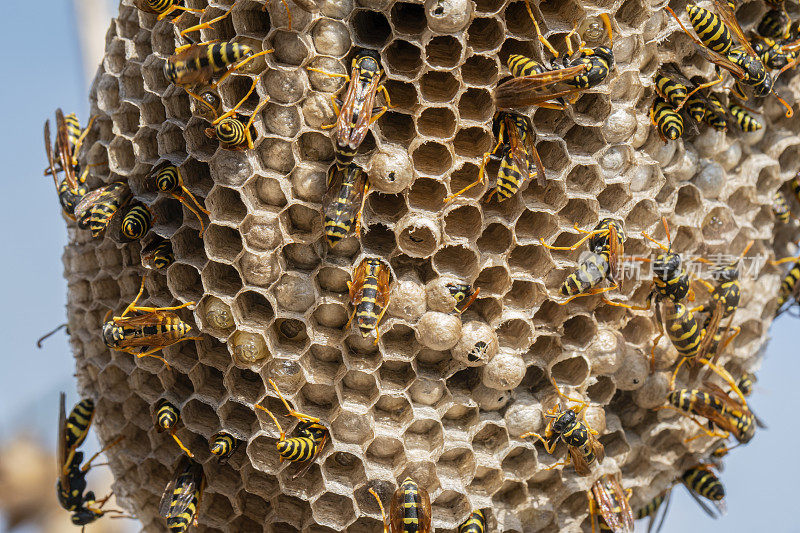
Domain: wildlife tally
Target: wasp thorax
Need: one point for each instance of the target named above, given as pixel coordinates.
(564, 421)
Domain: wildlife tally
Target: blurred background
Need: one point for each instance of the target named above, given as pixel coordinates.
(49, 59)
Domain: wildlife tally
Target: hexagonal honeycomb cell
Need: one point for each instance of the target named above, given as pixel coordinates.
(443, 396)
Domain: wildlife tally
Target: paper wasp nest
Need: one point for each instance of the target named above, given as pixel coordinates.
(272, 304)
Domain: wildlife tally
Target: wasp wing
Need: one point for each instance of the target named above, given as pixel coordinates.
(186, 485)
(578, 461)
(665, 506)
(357, 285)
(64, 149)
(711, 327)
(198, 76)
(522, 150)
(347, 207)
(358, 103)
(384, 287)
(536, 89)
(726, 13)
(117, 192)
(609, 496)
(62, 442)
(48, 148)
(704, 506)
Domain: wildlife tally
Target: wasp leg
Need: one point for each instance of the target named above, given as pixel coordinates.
(699, 87)
(591, 292)
(183, 48)
(180, 444)
(280, 429)
(725, 375)
(185, 203)
(207, 25)
(288, 13)
(83, 135)
(588, 235)
(178, 8)
(132, 305)
(88, 465)
(233, 110)
(542, 38)
(562, 395)
(239, 65)
(292, 412)
(469, 302)
(357, 226)
(481, 173)
(378, 323)
(592, 509)
(252, 118)
(382, 89)
(379, 114)
(785, 260)
(653, 352)
(383, 513)
(148, 353)
(156, 309)
(548, 448)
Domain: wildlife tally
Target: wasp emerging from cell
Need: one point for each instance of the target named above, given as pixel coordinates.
(51, 333)
(668, 122)
(606, 246)
(744, 118)
(148, 331)
(772, 54)
(233, 130)
(168, 179)
(309, 442)
(609, 507)
(136, 222)
(409, 511)
(715, 40)
(478, 352)
(98, 207)
(166, 417)
(196, 64)
(356, 111)
(569, 425)
(533, 84)
(223, 445)
(182, 496)
(476, 523)
(463, 294)
(71, 484)
(158, 255)
(369, 293)
(343, 203)
(519, 159)
(774, 24)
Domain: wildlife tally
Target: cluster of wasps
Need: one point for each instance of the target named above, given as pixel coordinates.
(700, 334)
(754, 63)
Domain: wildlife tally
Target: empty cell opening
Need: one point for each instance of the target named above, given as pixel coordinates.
(121, 158)
(463, 222)
(496, 238)
(269, 192)
(456, 260)
(254, 309)
(184, 281)
(424, 435)
(222, 243)
(276, 154)
(553, 155)
(198, 143)
(584, 179)
(450, 506)
(486, 481)
(484, 34)
(245, 384)
(226, 204)
(302, 219)
(345, 468)
(584, 141)
(467, 174)
(417, 240)
(437, 86)
(219, 278)
(479, 70)
(396, 342)
(403, 95)
(615, 444)
(523, 295)
(517, 20)
(197, 416)
(579, 330)
(333, 509)
(403, 57)
(359, 387)
(520, 460)
(514, 334)
(491, 439)
(638, 330)
(632, 14)
(409, 18)
(315, 146)
(387, 206)
(534, 224)
(437, 122)
(426, 193)
(379, 239)
(371, 28)
(602, 390)
(594, 106)
(510, 495)
(572, 371)
(386, 451)
(254, 22)
(613, 197)
(475, 104)
(579, 211)
(530, 259)
(289, 48)
(472, 142)
(718, 224)
(432, 158)
(394, 410)
(643, 215)
(300, 256)
(212, 352)
(443, 51)
(208, 382)
(457, 462)
(127, 119)
(397, 128)
(689, 200)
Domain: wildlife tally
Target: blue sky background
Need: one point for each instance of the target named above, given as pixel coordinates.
(45, 67)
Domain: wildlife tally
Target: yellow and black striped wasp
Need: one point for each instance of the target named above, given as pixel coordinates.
(519, 159)
(71, 484)
(137, 222)
(772, 53)
(668, 122)
(409, 511)
(780, 208)
(309, 442)
(533, 84)
(69, 139)
(343, 202)
(606, 246)
(609, 507)
(715, 40)
(714, 404)
(356, 111)
(476, 523)
(569, 426)
(790, 288)
(182, 496)
(744, 118)
(233, 130)
(165, 418)
(168, 179)
(150, 330)
(223, 445)
(97, 207)
(774, 24)
(700, 480)
(675, 92)
(463, 294)
(369, 293)
(649, 510)
(158, 255)
(165, 8)
(196, 64)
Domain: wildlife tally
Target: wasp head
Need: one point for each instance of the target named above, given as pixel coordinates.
(112, 334)
(667, 266)
(564, 420)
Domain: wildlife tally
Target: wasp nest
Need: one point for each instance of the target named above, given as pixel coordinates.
(271, 300)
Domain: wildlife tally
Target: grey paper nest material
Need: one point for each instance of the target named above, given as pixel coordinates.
(270, 307)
